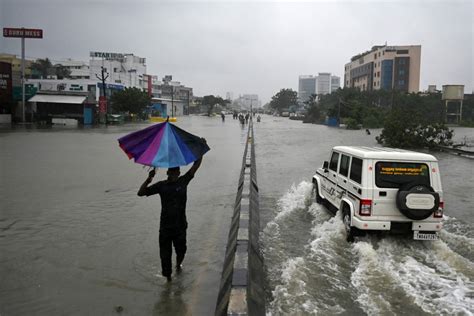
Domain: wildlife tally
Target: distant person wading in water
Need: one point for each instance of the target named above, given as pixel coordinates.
(173, 224)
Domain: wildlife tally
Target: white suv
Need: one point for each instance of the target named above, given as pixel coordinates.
(382, 189)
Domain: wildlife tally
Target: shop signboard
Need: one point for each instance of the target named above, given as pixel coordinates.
(30, 90)
(5, 82)
(22, 32)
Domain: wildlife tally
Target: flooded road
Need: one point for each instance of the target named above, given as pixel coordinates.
(75, 239)
(312, 270)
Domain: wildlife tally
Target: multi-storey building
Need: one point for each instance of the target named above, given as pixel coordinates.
(125, 69)
(78, 69)
(385, 67)
(306, 87)
(323, 83)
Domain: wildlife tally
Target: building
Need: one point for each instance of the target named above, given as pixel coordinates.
(125, 69)
(335, 83)
(323, 83)
(229, 96)
(385, 67)
(78, 69)
(170, 98)
(306, 87)
(249, 101)
(16, 67)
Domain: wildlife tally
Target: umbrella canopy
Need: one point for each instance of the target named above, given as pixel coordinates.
(163, 145)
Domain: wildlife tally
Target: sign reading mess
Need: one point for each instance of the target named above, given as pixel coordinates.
(22, 32)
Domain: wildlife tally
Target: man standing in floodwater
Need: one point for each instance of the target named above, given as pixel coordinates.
(173, 224)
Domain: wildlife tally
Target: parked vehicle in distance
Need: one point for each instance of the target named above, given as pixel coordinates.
(382, 189)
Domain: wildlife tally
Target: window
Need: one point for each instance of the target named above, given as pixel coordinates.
(356, 170)
(115, 69)
(333, 163)
(401, 82)
(378, 74)
(395, 174)
(379, 54)
(344, 167)
(401, 72)
(402, 51)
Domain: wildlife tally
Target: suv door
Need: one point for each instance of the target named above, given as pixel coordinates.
(342, 175)
(330, 190)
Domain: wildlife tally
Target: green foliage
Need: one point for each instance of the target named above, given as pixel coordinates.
(283, 100)
(351, 123)
(396, 134)
(415, 121)
(313, 110)
(211, 101)
(131, 100)
(61, 71)
(42, 67)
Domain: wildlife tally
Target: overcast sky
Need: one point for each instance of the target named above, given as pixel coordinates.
(249, 47)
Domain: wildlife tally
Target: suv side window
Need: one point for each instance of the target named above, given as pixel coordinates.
(333, 163)
(344, 167)
(356, 170)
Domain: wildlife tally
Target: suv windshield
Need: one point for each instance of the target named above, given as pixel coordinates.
(395, 174)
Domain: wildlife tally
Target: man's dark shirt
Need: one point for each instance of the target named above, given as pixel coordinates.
(173, 203)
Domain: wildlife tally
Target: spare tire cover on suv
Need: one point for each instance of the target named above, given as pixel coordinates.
(417, 201)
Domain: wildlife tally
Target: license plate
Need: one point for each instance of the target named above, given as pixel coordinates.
(425, 236)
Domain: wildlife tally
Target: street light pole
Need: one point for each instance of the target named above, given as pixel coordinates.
(23, 79)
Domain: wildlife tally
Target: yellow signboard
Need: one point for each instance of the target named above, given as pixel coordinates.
(403, 171)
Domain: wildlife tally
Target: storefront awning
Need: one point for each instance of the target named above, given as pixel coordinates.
(49, 98)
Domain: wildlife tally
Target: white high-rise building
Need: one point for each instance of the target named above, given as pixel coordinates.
(306, 87)
(323, 83)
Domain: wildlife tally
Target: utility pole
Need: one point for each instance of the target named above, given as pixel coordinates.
(172, 101)
(103, 98)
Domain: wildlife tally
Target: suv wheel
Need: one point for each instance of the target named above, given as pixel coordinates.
(317, 198)
(346, 219)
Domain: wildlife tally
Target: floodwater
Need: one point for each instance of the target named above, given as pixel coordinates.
(75, 239)
(312, 270)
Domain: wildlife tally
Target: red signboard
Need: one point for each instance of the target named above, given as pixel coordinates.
(102, 104)
(22, 32)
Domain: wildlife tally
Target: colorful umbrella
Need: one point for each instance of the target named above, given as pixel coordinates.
(163, 145)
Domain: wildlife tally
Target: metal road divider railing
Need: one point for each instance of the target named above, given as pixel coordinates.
(242, 283)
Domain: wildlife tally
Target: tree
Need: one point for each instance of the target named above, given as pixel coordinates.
(42, 67)
(131, 100)
(283, 100)
(313, 113)
(61, 71)
(211, 101)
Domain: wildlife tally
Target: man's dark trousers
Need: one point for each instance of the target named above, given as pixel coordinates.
(167, 239)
